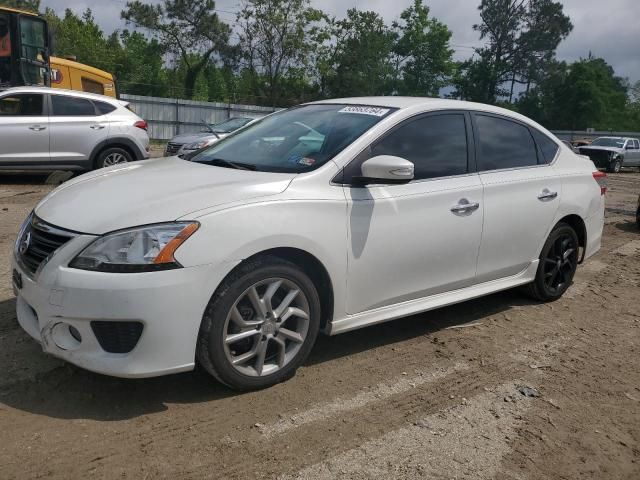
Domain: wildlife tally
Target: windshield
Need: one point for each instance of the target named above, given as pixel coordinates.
(230, 125)
(608, 142)
(295, 140)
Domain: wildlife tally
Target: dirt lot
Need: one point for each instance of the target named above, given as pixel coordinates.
(409, 399)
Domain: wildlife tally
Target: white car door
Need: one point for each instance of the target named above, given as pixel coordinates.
(422, 238)
(24, 129)
(76, 128)
(521, 194)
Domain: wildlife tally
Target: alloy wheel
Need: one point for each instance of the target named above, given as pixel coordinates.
(266, 327)
(560, 264)
(114, 158)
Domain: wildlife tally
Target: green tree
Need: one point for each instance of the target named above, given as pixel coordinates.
(521, 38)
(275, 39)
(83, 38)
(31, 5)
(189, 29)
(359, 63)
(140, 68)
(423, 56)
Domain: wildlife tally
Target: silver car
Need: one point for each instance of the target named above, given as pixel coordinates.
(53, 129)
(190, 142)
(613, 153)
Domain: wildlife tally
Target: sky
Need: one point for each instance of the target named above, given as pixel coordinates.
(609, 29)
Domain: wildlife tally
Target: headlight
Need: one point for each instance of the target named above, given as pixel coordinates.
(141, 249)
(201, 144)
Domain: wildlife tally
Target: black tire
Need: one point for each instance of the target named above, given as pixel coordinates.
(542, 287)
(615, 166)
(211, 353)
(106, 157)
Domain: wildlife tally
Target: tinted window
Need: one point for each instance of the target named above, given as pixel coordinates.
(437, 145)
(104, 107)
(92, 86)
(21, 105)
(504, 144)
(636, 144)
(547, 147)
(71, 106)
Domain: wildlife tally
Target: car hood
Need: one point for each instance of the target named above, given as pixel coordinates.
(187, 138)
(151, 191)
(605, 149)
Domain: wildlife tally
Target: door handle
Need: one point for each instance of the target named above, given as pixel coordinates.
(37, 128)
(96, 127)
(547, 194)
(465, 206)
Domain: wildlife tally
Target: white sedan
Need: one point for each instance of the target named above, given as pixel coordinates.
(237, 259)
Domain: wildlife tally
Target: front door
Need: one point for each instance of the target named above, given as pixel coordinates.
(24, 130)
(521, 196)
(414, 240)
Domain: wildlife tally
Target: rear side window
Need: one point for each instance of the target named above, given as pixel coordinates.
(504, 144)
(104, 107)
(437, 145)
(92, 86)
(64, 106)
(24, 105)
(548, 148)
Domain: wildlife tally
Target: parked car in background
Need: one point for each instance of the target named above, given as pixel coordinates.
(581, 142)
(190, 142)
(613, 153)
(52, 129)
(330, 216)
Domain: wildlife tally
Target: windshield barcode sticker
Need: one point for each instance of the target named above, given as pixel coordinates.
(375, 111)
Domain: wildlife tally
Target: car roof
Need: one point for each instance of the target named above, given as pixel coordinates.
(426, 104)
(62, 91)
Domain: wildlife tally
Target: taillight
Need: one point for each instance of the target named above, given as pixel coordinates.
(141, 124)
(601, 178)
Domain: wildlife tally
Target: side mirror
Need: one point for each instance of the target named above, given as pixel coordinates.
(386, 170)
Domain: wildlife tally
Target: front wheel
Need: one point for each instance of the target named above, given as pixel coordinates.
(260, 325)
(558, 264)
(615, 166)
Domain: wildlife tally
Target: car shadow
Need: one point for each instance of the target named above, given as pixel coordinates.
(68, 392)
(627, 226)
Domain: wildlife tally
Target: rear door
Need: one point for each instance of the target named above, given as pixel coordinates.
(24, 129)
(521, 194)
(77, 126)
(632, 155)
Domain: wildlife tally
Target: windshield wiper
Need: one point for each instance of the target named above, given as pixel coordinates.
(221, 162)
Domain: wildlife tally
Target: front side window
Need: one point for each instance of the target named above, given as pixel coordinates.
(23, 105)
(64, 106)
(33, 39)
(504, 144)
(296, 140)
(436, 145)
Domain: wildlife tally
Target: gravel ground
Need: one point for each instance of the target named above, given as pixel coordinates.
(409, 399)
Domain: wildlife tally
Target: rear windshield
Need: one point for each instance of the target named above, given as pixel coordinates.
(296, 140)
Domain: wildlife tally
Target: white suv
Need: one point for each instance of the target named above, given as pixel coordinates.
(46, 129)
(326, 217)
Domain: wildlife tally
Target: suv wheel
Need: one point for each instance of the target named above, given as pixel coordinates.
(112, 156)
(558, 263)
(260, 325)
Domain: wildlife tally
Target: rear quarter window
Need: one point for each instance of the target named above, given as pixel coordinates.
(104, 107)
(547, 147)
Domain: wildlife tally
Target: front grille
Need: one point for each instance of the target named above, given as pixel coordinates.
(173, 148)
(38, 241)
(599, 157)
(117, 337)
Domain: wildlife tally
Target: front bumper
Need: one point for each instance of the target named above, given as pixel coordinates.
(169, 305)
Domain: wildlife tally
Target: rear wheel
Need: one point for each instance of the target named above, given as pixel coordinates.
(260, 325)
(558, 264)
(112, 156)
